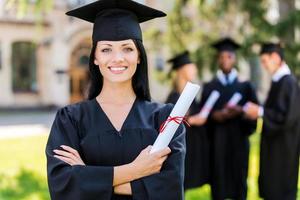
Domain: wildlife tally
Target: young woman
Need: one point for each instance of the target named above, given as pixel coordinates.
(197, 144)
(99, 148)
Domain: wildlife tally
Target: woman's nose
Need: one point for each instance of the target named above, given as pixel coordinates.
(118, 57)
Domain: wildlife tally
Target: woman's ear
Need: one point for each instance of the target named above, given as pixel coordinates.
(96, 62)
(139, 60)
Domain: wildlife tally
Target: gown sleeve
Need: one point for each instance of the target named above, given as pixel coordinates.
(168, 184)
(74, 182)
(285, 112)
(248, 126)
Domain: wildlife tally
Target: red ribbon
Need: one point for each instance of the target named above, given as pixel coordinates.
(176, 119)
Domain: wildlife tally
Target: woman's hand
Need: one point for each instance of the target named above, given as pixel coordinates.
(220, 115)
(196, 120)
(68, 155)
(234, 111)
(124, 189)
(147, 164)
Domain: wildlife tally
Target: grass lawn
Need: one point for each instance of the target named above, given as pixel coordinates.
(23, 171)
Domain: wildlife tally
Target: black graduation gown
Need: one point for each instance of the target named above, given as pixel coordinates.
(229, 142)
(280, 141)
(197, 149)
(85, 127)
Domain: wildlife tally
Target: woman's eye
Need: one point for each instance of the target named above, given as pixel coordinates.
(128, 49)
(105, 50)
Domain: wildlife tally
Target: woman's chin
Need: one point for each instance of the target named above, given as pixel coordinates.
(118, 80)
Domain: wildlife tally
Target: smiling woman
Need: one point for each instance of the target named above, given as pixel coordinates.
(117, 58)
(100, 148)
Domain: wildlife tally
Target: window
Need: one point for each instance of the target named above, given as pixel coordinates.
(24, 67)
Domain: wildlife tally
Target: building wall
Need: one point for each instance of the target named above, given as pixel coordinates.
(56, 39)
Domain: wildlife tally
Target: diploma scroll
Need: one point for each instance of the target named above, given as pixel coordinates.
(209, 104)
(235, 99)
(180, 109)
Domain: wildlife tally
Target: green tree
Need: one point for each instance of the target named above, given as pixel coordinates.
(38, 7)
(243, 19)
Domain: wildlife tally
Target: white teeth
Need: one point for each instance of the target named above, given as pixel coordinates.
(117, 68)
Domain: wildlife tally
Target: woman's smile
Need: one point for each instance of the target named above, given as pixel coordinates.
(117, 69)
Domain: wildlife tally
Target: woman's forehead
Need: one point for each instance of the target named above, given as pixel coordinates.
(112, 43)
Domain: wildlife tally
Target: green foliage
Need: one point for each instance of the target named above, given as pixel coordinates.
(213, 16)
(23, 170)
(24, 186)
(39, 7)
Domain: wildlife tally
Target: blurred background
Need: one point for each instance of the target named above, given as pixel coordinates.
(44, 57)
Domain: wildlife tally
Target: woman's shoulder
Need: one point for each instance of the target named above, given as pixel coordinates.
(74, 110)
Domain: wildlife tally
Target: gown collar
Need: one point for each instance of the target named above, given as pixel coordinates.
(281, 72)
(126, 119)
(232, 76)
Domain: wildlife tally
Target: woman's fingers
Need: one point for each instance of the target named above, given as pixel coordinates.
(164, 152)
(147, 149)
(64, 154)
(66, 160)
(69, 155)
(162, 160)
(71, 150)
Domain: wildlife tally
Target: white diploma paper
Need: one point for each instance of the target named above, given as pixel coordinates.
(181, 107)
(209, 104)
(235, 99)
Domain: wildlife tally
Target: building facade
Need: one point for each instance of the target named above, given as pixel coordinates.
(47, 64)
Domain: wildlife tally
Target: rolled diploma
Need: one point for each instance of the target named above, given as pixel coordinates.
(209, 104)
(235, 99)
(180, 109)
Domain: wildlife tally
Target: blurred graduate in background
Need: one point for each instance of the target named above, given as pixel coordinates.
(197, 155)
(228, 129)
(280, 139)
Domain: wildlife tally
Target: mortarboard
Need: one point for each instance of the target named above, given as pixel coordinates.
(179, 60)
(270, 48)
(116, 20)
(226, 44)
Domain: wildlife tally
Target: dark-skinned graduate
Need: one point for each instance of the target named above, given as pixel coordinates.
(280, 137)
(197, 146)
(228, 129)
(99, 148)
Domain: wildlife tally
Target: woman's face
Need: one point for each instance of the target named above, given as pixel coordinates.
(117, 60)
(189, 72)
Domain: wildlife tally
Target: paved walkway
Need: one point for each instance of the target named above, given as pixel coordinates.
(24, 124)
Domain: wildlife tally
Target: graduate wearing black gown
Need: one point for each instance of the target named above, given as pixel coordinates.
(87, 155)
(85, 127)
(197, 147)
(228, 129)
(280, 139)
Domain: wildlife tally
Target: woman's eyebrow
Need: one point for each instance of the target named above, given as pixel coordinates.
(126, 44)
(106, 44)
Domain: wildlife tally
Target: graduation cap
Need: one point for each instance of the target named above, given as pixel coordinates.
(226, 44)
(116, 20)
(270, 47)
(179, 60)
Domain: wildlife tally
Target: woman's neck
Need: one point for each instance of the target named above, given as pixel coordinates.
(180, 83)
(116, 93)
